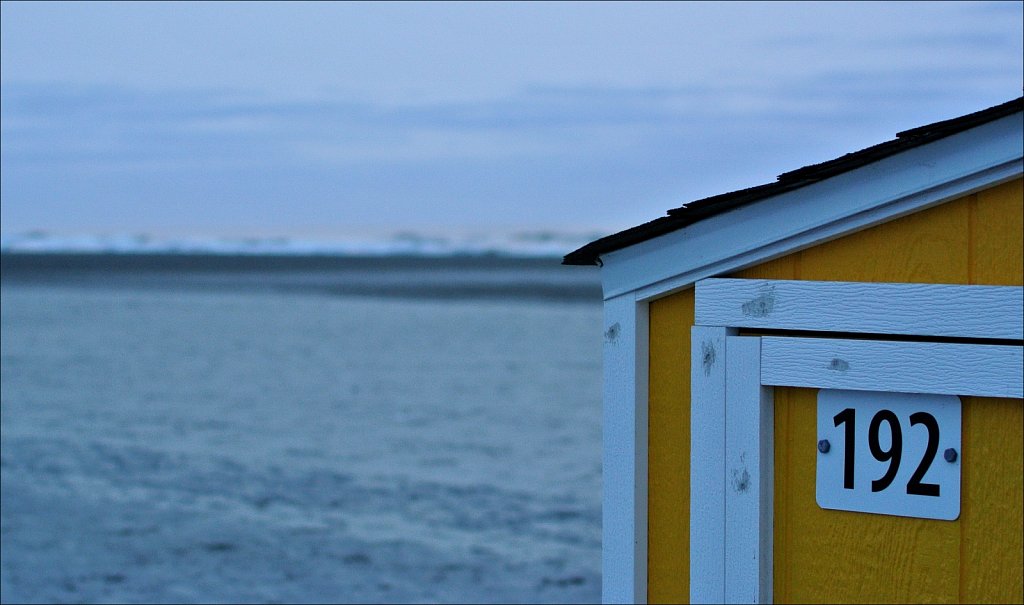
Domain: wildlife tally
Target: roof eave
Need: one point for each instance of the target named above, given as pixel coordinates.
(678, 218)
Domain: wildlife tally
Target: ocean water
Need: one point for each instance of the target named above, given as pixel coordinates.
(182, 429)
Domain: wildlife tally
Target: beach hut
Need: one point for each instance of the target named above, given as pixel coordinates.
(812, 388)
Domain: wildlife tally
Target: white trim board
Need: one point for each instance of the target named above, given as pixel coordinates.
(901, 184)
(750, 474)
(954, 311)
(731, 488)
(892, 365)
(707, 521)
(624, 456)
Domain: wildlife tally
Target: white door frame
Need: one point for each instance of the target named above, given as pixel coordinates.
(732, 380)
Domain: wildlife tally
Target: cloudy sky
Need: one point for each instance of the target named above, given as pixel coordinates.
(315, 119)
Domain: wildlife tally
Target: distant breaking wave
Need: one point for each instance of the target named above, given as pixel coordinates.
(405, 243)
(511, 268)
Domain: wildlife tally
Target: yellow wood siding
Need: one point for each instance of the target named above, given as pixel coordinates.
(824, 556)
(668, 463)
(830, 556)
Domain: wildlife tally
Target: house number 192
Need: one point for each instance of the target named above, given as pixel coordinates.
(888, 453)
(894, 453)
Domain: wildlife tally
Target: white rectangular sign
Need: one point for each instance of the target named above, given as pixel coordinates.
(889, 453)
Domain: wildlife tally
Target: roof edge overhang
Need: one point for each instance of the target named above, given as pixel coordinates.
(694, 212)
(674, 253)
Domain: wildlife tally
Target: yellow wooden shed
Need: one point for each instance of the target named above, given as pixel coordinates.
(812, 388)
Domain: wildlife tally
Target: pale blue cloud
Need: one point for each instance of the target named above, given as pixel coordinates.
(535, 115)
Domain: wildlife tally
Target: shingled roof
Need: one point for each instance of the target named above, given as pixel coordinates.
(692, 212)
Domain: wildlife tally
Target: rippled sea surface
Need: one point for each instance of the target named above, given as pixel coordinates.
(384, 433)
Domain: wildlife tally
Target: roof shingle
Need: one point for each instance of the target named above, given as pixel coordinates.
(690, 213)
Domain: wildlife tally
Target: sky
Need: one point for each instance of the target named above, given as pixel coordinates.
(326, 119)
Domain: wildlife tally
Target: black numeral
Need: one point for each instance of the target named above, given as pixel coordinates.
(915, 486)
(849, 417)
(891, 455)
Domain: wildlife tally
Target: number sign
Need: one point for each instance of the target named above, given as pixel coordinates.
(889, 453)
